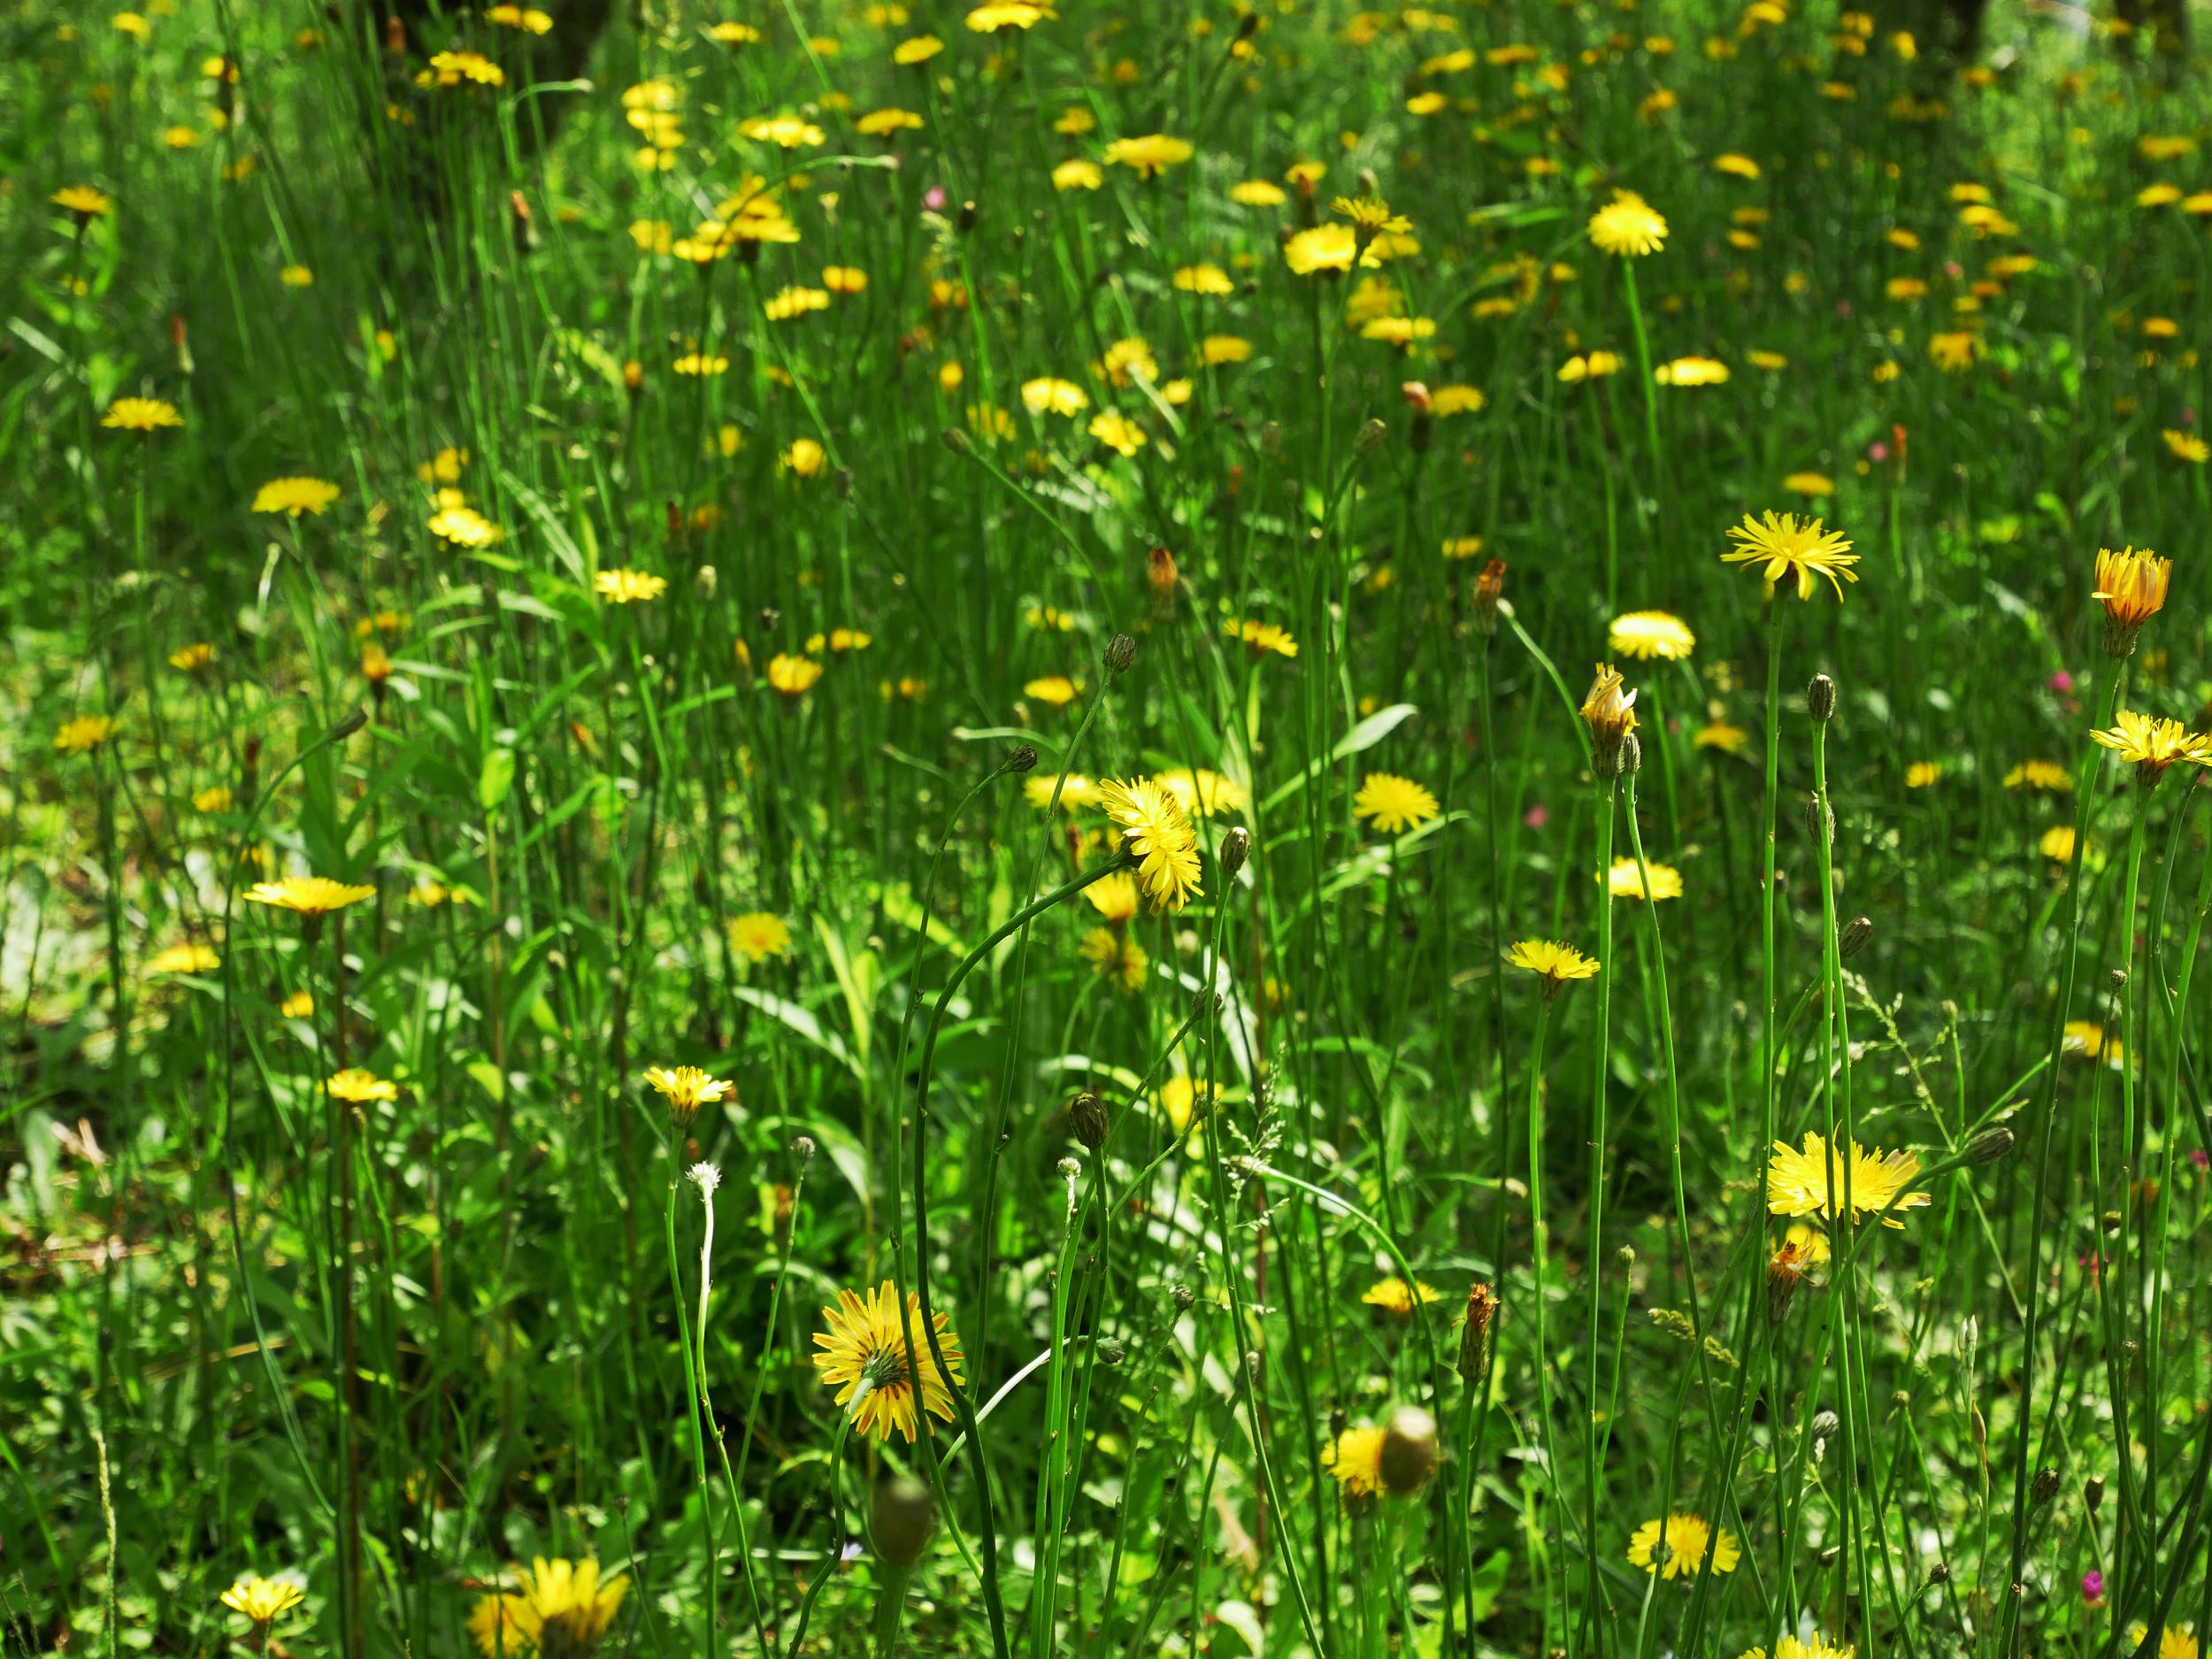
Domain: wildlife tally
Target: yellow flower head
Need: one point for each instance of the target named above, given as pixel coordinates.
(308, 896)
(1789, 546)
(2185, 445)
(1610, 711)
(1554, 962)
(1051, 396)
(1113, 953)
(1151, 153)
(141, 415)
(557, 1608)
(1798, 1183)
(1159, 837)
(184, 959)
(1114, 896)
(1263, 637)
(687, 1088)
(262, 1600)
(357, 1086)
(793, 676)
(1624, 881)
(1009, 14)
(83, 735)
(1645, 635)
(2132, 587)
(1325, 248)
(1627, 227)
(759, 935)
(1393, 804)
(1354, 1457)
(1396, 1295)
(1075, 789)
(83, 200)
(865, 1346)
(1676, 1548)
(295, 495)
(1205, 794)
(628, 586)
(2153, 744)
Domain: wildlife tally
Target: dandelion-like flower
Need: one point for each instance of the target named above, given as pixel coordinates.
(1264, 638)
(83, 735)
(184, 959)
(1790, 1647)
(263, 1600)
(1628, 226)
(1149, 153)
(686, 1088)
(1644, 634)
(1610, 711)
(141, 415)
(558, 1608)
(1354, 1457)
(1797, 1181)
(1326, 249)
(759, 935)
(1393, 804)
(295, 495)
(866, 1345)
(2132, 587)
(1398, 1296)
(1790, 546)
(1114, 897)
(1159, 836)
(793, 676)
(1626, 881)
(308, 896)
(357, 1087)
(2153, 744)
(1556, 963)
(1676, 1548)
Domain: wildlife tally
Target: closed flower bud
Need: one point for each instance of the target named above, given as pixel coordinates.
(1940, 1573)
(1090, 1120)
(2093, 1494)
(2045, 1485)
(1857, 932)
(1819, 818)
(1632, 755)
(1990, 1145)
(1825, 1424)
(1183, 1297)
(1474, 1335)
(901, 1516)
(1610, 711)
(802, 1148)
(1023, 759)
(705, 579)
(1236, 846)
(1121, 650)
(954, 440)
(1408, 1449)
(1820, 698)
(1489, 588)
(967, 216)
(633, 377)
(1160, 575)
(1371, 435)
(1112, 1351)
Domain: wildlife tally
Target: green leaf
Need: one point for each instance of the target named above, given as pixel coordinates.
(497, 780)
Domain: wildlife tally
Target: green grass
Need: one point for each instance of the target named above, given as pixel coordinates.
(818, 817)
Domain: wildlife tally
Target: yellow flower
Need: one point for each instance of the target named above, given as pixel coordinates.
(1730, 739)
(354, 1084)
(628, 586)
(1921, 773)
(1149, 154)
(141, 414)
(558, 1608)
(698, 364)
(1076, 790)
(2039, 774)
(1218, 349)
(1736, 166)
(1790, 1647)
(83, 735)
(184, 959)
(1114, 896)
(1078, 175)
(786, 131)
(2185, 445)
(805, 457)
(1691, 372)
(1257, 193)
(1370, 215)
(1009, 14)
(882, 123)
(918, 49)
(865, 1344)
(1590, 366)
(1263, 637)
(1645, 635)
(1205, 278)
(1392, 803)
(1205, 794)
(1053, 397)
(295, 495)
(83, 201)
(1682, 1553)
(308, 896)
(2175, 1643)
(1813, 484)
(758, 935)
(1624, 881)
(1354, 1457)
(687, 1088)
(461, 69)
(793, 676)
(1180, 1100)
(464, 526)
(2132, 587)
(1797, 1181)
(2153, 744)
(2057, 844)
(1609, 712)
(1159, 837)
(1057, 689)
(1115, 954)
(299, 1005)
(1330, 247)
(1397, 1297)
(844, 278)
(211, 801)
(1552, 962)
(1955, 351)
(1117, 432)
(527, 18)
(1627, 227)
(1790, 546)
(262, 1600)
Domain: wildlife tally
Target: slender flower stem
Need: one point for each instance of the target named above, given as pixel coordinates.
(1608, 801)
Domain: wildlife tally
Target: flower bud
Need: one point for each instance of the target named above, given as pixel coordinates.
(1112, 1351)
(1819, 819)
(1825, 1424)
(1161, 576)
(1088, 1117)
(954, 440)
(1610, 711)
(1183, 1297)
(1820, 699)
(1236, 846)
(2045, 1487)
(1990, 1145)
(1474, 1335)
(1408, 1449)
(1121, 650)
(802, 1148)
(1024, 759)
(1371, 436)
(900, 1516)
(2093, 1494)
(1489, 588)
(1857, 932)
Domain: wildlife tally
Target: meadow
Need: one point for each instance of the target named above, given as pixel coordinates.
(1181, 827)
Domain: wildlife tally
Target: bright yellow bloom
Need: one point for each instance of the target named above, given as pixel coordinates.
(1205, 278)
(1330, 247)
(1790, 546)
(83, 200)
(793, 676)
(758, 935)
(83, 735)
(2132, 587)
(213, 800)
(1627, 227)
(1263, 637)
(1216, 349)
(1057, 689)
(1116, 955)
(1049, 396)
(687, 1088)
(786, 131)
(1392, 803)
(1117, 432)
(1790, 1647)
(141, 414)
(1736, 166)
(1813, 484)
(1691, 372)
(1354, 1457)
(1798, 1185)
(805, 457)
(1114, 896)
(299, 1005)
(1730, 739)
(1645, 635)
(866, 1345)
(464, 526)
(1149, 153)
(1159, 836)
(1076, 790)
(918, 49)
(1205, 794)
(184, 959)
(1257, 193)
(295, 495)
(1399, 1297)
(354, 1084)
(558, 1608)
(1552, 962)
(262, 1600)
(1921, 773)
(628, 586)
(2039, 774)
(1955, 351)
(1682, 1553)
(2153, 744)
(1078, 175)
(1624, 881)
(308, 896)
(1007, 14)
(527, 18)
(2186, 446)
